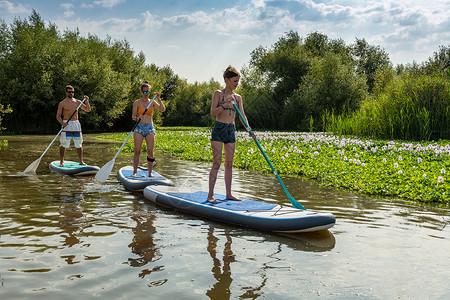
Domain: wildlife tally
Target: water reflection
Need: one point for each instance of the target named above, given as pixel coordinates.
(143, 244)
(220, 236)
(221, 268)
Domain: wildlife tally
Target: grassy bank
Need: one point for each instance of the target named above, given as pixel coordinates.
(415, 171)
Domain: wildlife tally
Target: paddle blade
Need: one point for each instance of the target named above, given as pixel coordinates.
(296, 204)
(104, 172)
(33, 166)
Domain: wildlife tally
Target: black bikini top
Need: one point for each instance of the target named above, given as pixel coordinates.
(223, 102)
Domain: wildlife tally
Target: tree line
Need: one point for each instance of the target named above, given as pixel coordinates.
(307, 84)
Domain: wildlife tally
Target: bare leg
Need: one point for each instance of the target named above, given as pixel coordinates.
(229, 149)
(62, 152)
(138, 138)
(217, 160)
(150, 141)
(80, 155)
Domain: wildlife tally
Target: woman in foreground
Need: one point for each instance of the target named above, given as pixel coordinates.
(223, 132)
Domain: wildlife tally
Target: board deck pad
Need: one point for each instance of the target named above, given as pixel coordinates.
(70, 165)
(141, 175)
(244, 205)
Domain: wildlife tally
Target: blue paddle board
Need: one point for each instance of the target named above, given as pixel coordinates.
(138, 183)
(247, 213)
(73, 168)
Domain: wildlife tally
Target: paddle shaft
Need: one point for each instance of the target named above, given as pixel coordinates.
(293, 201)
(134, 127)
(63, 127)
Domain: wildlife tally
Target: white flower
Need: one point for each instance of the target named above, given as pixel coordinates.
(396, 165)
(400, 172)
(363, 164)
(384, 160)
(441, 179)
(419, 160)
(443, 171)
(424, 175)
(400, 158)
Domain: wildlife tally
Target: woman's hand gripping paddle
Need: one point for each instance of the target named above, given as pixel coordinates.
(34, 165)
(104, 172)
(293, 201)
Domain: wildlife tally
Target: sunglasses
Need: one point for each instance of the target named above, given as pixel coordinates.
(145, 92)
(70, 92)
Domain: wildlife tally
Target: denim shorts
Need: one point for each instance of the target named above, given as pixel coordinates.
(144, 129)
(223, 132)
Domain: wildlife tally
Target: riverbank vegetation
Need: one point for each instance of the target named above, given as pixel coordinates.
(410, 170)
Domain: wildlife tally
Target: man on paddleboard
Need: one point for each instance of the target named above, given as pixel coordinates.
(71, 128)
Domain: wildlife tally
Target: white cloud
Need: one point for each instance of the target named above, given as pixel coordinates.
(107, 3)
(68, 12)
(150, 21)
(169, 47)
(259, 3)
(10, 8)
(66, 6)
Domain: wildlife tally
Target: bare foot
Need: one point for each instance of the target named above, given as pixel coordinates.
(150, 175)
(211, 200)
(133, 175)
(231, 197)
(82, 163)
(61, 164)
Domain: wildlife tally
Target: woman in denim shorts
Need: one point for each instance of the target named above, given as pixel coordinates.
(223, 132)
(145, 129)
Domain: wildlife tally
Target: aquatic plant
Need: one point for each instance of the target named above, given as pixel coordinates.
(411, 170)
(3, 144)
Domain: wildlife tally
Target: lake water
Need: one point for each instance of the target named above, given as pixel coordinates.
(64, 237)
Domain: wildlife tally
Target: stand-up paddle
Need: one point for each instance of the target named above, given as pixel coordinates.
(33, 166)
(293, 201)
(104, 172)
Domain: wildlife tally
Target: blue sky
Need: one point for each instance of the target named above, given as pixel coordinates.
(198, 39)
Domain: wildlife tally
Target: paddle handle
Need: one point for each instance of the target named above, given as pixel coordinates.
(295, 203)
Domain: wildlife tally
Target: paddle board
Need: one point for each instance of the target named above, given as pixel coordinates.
(246, 213)
(138, 183)
(73, 168)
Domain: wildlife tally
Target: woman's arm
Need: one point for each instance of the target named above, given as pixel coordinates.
(215, 108)
(134, 115)
(159, 106)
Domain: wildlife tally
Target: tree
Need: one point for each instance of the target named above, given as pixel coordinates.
(37, 62)
(190, 105)
(369, 59)
(440, 61)
(331, 85)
